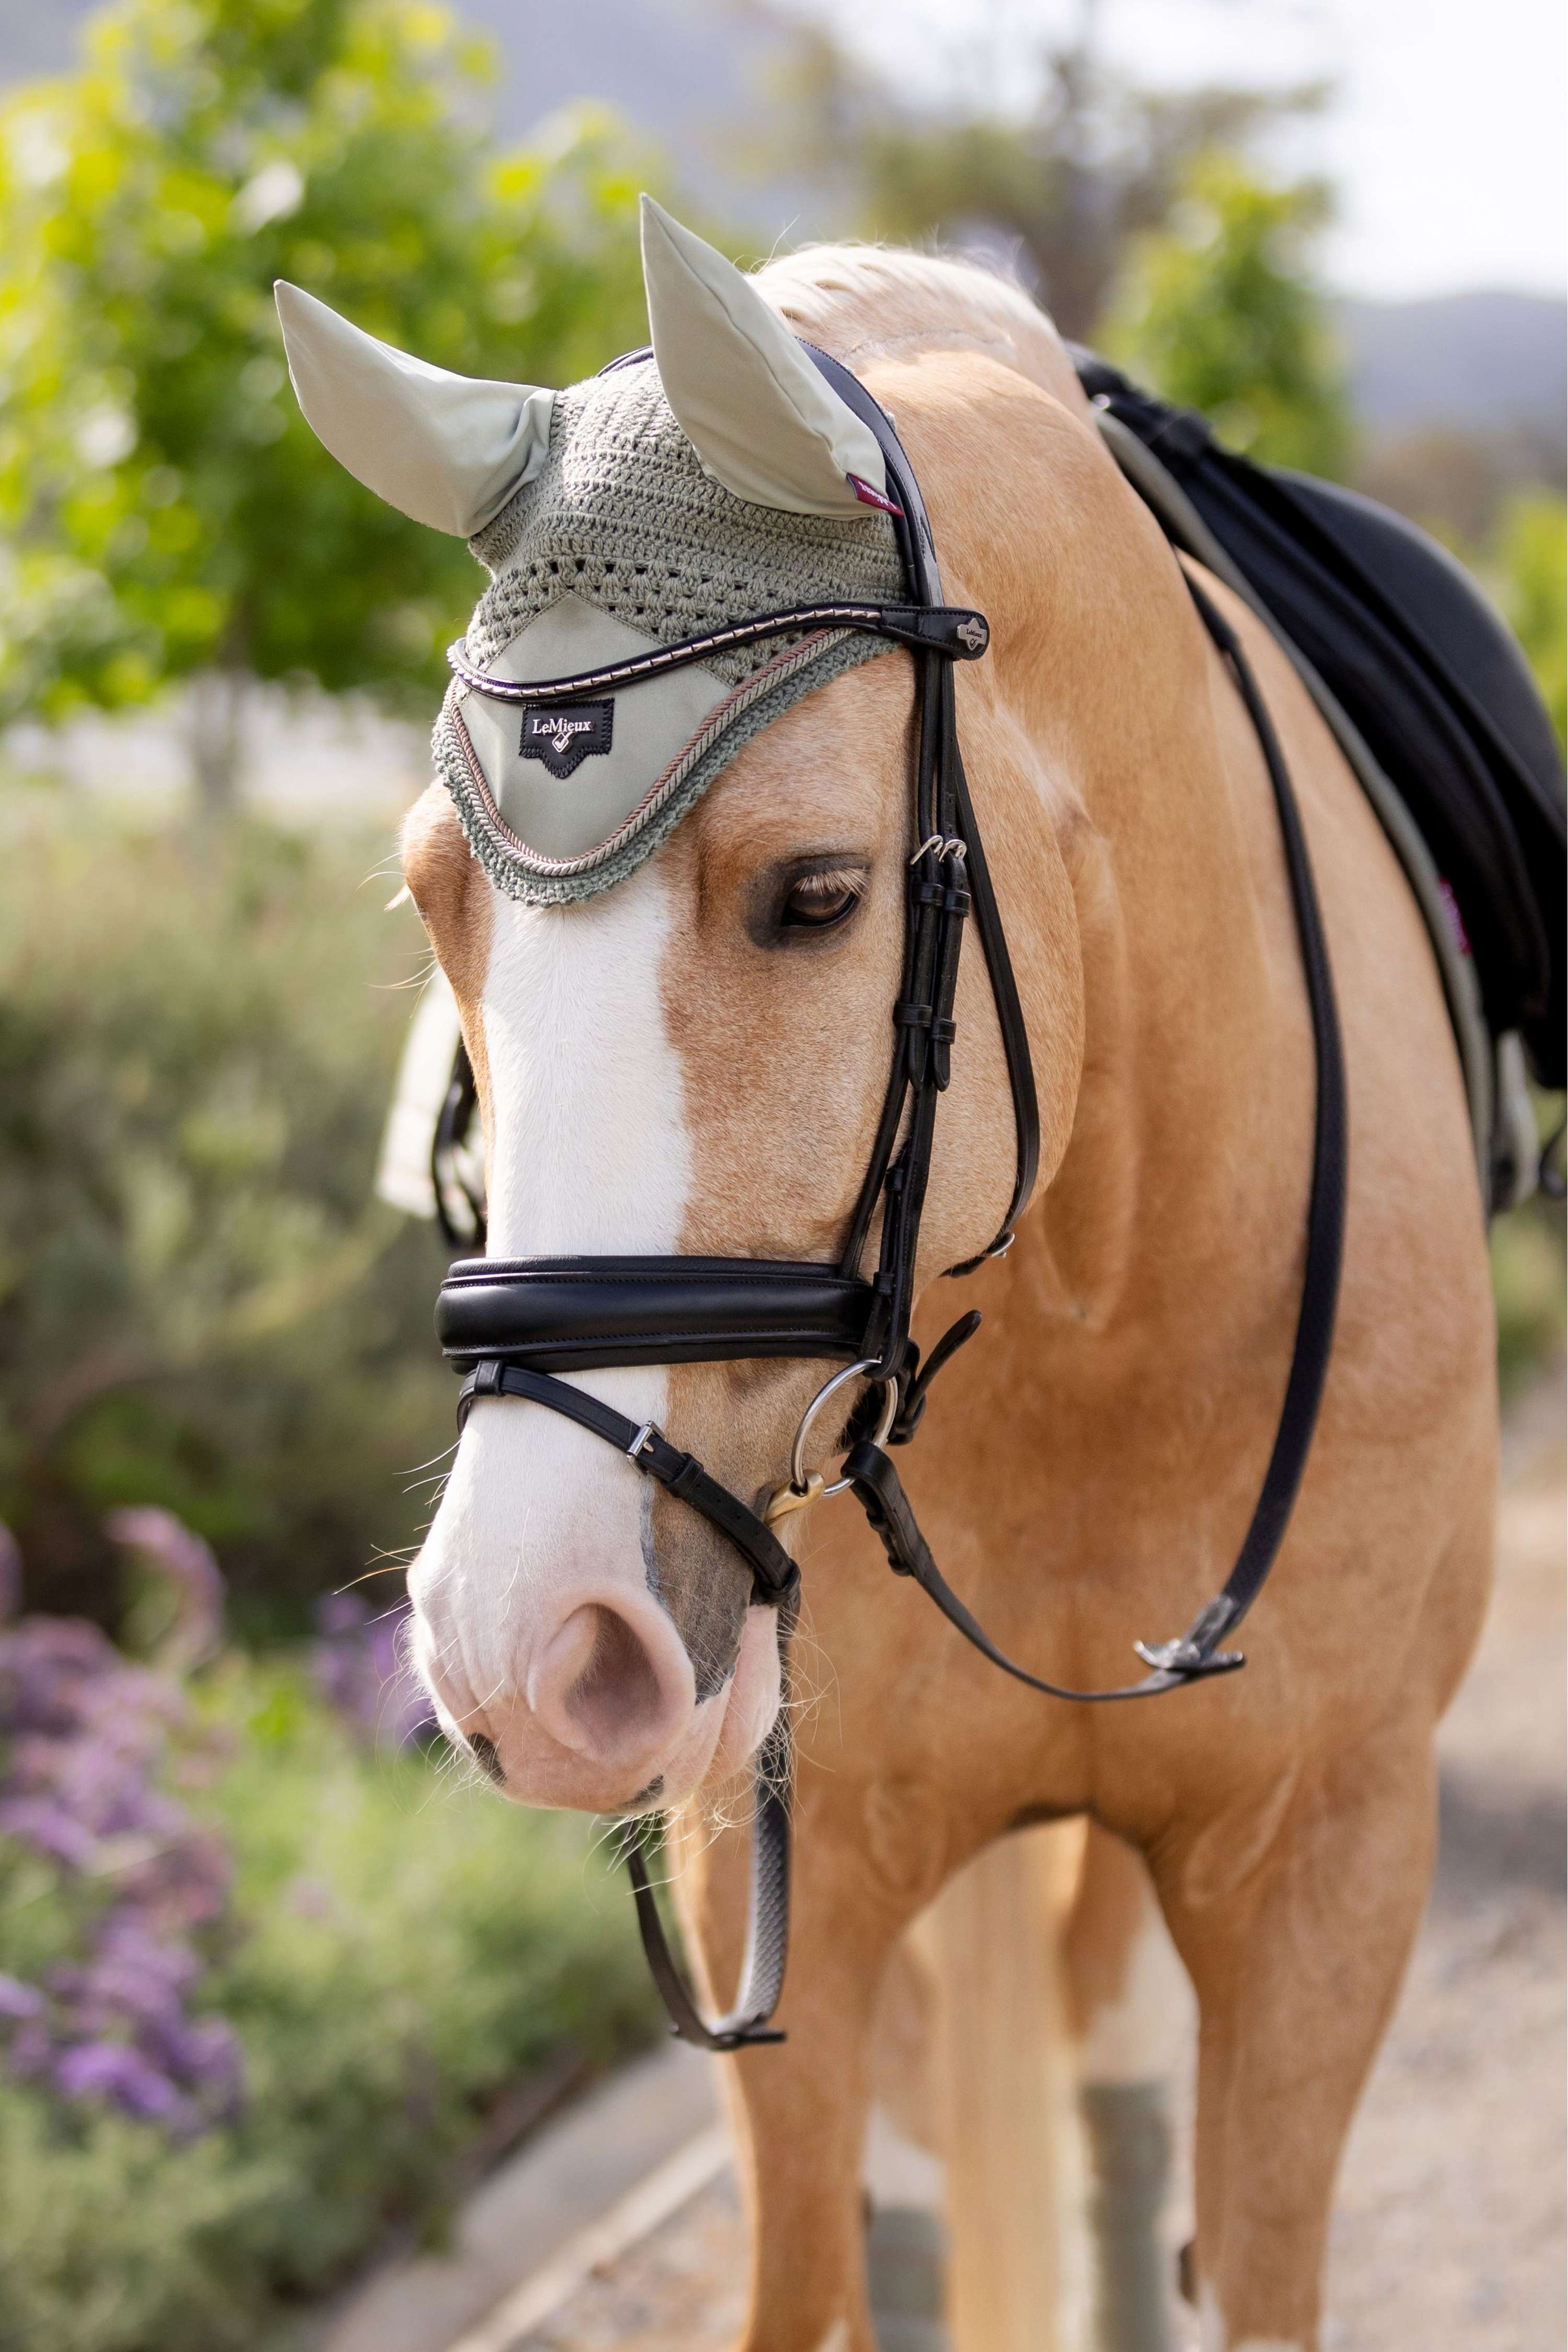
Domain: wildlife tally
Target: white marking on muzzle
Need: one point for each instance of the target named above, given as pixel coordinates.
(589, 1154)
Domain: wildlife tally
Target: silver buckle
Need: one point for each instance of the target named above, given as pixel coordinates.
(647, 1431)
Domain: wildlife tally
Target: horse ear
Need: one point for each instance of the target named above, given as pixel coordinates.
(447, 449)
(762, 419)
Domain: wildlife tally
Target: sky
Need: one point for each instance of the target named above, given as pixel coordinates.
(1446, 140)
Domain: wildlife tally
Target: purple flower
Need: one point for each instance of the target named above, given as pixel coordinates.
(10, 1575)
(206, 2057)
(32, 2047)
(18, 2001)
(362, 1670)
(340, 1612)
(114, 2072)
(174, 1551)
(49, 1829)
(48, 1666)
(86, 1735)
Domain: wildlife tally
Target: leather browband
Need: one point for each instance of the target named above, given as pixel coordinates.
(580, 1313)
(952, 630)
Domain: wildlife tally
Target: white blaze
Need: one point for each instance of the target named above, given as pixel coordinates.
(589, 1155)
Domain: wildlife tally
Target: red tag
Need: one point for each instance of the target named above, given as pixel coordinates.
(870, 497)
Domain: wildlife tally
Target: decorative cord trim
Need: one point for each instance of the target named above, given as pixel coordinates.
(476, 805)
(645, 666)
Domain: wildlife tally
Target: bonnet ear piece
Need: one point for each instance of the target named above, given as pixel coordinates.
(762, 419)
(449, 450)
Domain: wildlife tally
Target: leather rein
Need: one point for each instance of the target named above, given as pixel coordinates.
(513, 1326)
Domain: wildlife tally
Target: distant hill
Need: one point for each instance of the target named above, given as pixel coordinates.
(1483, 363)
(38, 38)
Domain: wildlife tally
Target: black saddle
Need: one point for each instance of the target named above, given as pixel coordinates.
(1427, 674)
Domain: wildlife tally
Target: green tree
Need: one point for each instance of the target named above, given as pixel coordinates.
(164, 507)
(1062, 183)
(1218, 312)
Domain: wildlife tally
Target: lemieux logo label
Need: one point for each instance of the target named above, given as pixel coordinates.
(565, 738)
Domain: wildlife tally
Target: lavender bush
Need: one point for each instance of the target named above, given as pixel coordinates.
(363, 1670)
(84, 1738)
(267, 1964)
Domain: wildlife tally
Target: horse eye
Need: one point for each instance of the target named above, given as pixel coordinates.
(815, 901)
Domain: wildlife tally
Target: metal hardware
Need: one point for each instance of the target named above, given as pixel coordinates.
(944, 845)
(799, 1488)
(640, 1440)
(787, 1498)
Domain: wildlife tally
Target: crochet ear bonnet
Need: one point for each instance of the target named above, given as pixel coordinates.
(712, 479)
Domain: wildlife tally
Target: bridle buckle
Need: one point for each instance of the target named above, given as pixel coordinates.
(644, 1436)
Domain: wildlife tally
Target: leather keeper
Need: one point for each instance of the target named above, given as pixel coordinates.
(564, 1314)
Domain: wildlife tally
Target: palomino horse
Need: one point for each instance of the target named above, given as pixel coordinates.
(681, 1062)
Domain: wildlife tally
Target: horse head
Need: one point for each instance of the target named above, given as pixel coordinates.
(683, 1048)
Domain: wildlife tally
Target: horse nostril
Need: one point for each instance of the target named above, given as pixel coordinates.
(597, 1687)
(617, 1691)
(485, 1752)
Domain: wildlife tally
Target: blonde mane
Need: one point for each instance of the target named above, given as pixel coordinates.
(864, 302)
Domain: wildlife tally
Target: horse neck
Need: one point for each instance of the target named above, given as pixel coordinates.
(1185, 1147)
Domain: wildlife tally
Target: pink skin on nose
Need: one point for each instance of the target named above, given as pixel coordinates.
(605, 1717)
(612, 1682)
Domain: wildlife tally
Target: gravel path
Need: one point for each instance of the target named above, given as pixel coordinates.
(1450, 2206)
(1448, 2223)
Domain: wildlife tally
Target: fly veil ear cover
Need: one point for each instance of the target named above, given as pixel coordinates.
(647, 507)
(449, 450)
(762, 419)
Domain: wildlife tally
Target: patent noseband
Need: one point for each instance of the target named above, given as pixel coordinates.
(512, 1326)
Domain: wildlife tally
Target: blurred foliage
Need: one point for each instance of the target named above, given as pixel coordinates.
(402, 1949)
(1530, 554)
(1529, 1267)
(1458, 484)
(1059, 189)
(1217, 312)
(167, 509)
(200, 1304)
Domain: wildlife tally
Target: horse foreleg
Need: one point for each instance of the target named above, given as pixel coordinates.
(1131, 2010)
(1001, 2083)
(1296, 1936)
(799, 2107)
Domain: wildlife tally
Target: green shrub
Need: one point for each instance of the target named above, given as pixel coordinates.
(1528, 1266)
(402, 1947)
(1218, 312)
(201, 1305)
(1532, 555)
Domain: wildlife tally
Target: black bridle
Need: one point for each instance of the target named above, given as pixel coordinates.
(512, 1326)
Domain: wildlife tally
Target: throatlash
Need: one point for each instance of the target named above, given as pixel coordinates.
(798, 548)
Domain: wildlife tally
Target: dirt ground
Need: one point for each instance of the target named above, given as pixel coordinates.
(1448, 2223)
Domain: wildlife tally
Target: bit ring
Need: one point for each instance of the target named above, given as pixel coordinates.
(801, 1488)
(798, 1479)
